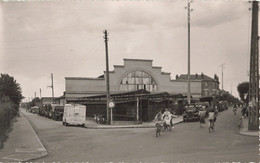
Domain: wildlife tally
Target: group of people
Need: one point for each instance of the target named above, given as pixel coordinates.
(99, 119)
(244, 111)
(212, 116)
(165, 118)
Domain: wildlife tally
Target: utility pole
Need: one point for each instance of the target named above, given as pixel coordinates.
(40, 96)
(40, 93)
(253, 116)
(222, 67)
(107, 76)
(189, 11)
(52, 88)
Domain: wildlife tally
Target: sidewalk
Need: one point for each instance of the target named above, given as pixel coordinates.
(92, 125)
(22, 144)
(244, 129)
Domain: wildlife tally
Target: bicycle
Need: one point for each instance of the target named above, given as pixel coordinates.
(211, 125)
(235, 111)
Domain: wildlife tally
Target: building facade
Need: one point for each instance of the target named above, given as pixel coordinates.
(209, 86)
(138, 74)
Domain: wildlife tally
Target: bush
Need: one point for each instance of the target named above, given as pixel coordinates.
(7, 112)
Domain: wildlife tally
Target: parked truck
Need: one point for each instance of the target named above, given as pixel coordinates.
(57, 111)
(74, 114)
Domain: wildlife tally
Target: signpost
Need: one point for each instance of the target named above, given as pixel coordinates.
(111, 105)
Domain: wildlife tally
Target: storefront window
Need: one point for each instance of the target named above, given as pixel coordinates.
(138, 80)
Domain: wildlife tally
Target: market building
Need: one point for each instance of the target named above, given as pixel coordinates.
(139, 90)
(135, 74)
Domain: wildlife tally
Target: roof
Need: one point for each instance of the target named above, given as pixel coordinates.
(140, 91)
(146, 60)
(194, 77)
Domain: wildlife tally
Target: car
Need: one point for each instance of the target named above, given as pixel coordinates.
(203, 105)
(223, 105)
(191, 113)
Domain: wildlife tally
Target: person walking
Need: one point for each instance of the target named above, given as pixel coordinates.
(202, 114)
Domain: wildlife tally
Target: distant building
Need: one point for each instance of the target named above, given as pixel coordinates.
(46, 100)
(135, 74)
(209, 86)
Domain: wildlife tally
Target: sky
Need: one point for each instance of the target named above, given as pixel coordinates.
(66, 38)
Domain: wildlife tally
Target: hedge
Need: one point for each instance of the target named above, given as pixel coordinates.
(8, 111)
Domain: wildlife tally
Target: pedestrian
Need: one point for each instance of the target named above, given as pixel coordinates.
(247, 111)
(95, 118)
(202, 114)
(18, 113)
(243, 111)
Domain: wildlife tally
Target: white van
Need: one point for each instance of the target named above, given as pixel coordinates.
(74, 114)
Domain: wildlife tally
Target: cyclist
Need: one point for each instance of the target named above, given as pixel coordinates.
(211, 120)
(235, 109)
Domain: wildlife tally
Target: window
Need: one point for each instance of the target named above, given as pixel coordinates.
(138, 80)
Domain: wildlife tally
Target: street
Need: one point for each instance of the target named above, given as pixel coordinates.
(186, 143)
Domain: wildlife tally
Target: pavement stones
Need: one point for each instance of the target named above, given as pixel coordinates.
(23, 143)
(244, 128)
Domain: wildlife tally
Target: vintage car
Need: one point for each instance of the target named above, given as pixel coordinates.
(203, 105)
(191, 113)
(57, 112)
(223, 105)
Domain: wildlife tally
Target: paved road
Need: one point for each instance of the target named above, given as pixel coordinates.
(187, 143)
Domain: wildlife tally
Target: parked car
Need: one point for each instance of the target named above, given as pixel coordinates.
(34, 109)
(223, 105)
(57, 111)
(203, 105)
(191, 113)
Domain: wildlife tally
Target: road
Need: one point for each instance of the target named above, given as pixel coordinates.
(187, 143)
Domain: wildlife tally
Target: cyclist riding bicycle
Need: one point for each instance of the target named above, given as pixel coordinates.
(235, 109)
(211, 120)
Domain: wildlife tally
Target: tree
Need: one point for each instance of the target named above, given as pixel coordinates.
(10, 90)
(243, 90)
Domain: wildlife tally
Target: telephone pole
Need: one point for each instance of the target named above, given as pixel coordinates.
(253, 117)
(189, 11)
(52, 87)
(107, 75)
(222, 67)
(40, 93)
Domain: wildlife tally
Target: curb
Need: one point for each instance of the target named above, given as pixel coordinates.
(247, 134)
(41, 152)
(127, 126)
(244, 132)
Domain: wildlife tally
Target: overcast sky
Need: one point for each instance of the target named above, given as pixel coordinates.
(66, 38)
